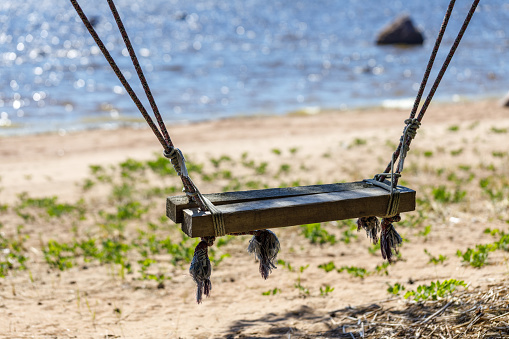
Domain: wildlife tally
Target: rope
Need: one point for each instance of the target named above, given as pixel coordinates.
(404, 141)
(409, 134)
(166, 145)
(177, 160)
(217, 219)
(394, 197)
(139, 71)
(174, 154)
(179, 163)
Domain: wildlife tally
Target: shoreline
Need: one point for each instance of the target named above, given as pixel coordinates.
(69, 155)
(137, 122)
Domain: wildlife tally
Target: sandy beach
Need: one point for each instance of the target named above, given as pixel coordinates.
(461, 147)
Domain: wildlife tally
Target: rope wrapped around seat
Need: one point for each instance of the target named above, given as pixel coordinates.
(179, 164)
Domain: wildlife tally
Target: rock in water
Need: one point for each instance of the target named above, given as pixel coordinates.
(400, 31)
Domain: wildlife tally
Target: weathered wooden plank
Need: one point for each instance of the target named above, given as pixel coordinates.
(296, 210)
(177, 204)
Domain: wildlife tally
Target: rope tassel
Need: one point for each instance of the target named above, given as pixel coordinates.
(389, 238)
(265, 246)
(372, 227)
(200, 270)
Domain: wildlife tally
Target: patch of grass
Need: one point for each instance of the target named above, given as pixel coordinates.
(395, 289)
(498, 130)
(443, 195)
(454, 128)
(499, 154)
(425, 232)
(435, 260)
(476, 257)
(317, 234)
(436, 290)
(272, 292)
(327, 267)
(382, 269)
(13, 254)
(358, 272)
(456, 152)
(59, 255)
(285, 264)
(276, 151)
(324, 291)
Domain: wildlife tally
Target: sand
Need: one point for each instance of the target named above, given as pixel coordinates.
(329, 146)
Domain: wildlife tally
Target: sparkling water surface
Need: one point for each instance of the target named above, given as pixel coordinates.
(208, 60)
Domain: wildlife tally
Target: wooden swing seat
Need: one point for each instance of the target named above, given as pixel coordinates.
(246, 211)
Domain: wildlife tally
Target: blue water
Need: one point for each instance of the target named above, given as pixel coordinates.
(209, 59)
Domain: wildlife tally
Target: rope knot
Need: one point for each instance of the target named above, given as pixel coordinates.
(409, 133)
(177, 160)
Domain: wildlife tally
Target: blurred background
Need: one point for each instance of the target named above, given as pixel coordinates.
(212, 59)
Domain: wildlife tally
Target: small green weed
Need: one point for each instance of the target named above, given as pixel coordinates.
(317, 234)
(358, 272)
(436, 290)
(499, 130)
(443, 195)
(328, 267)
(324, 291)
(272, 292)
(285, 264)
(477, 257)
(395, 289)
(435, 260)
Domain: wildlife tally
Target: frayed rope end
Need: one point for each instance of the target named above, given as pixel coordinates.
(372, 227)
(265, 246)
(390, 240)
(200, 270)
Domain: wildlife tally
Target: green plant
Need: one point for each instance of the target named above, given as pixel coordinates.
(498, 130)
(382, 269)
(374, 249)
(395, 289)
(276, 151)
(435, 260)
(272, 292)
(358, 272)
(328, 267)
(456, 152)
(61, 256)
(317, 235)
(326, 290)
(435, 290)
(350, 234)
(477, 258)
(442, 195)
(285, 264)
(424, 232)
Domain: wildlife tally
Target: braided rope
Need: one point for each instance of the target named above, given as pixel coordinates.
(405, 143)
(409, 133)
(119, 75)
(139, 71)
(174, 154)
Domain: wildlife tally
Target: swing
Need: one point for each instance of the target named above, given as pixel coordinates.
(253, 212)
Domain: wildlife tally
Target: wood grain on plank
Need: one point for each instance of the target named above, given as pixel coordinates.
(177, 204)
(296, 210)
